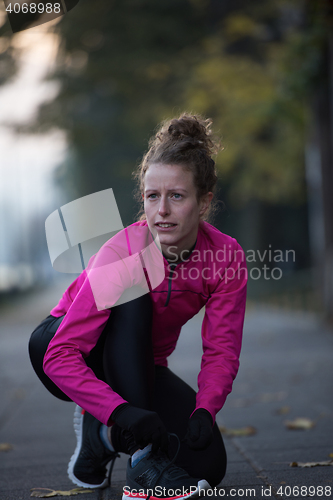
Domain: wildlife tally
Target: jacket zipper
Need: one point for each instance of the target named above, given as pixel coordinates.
(172, 267)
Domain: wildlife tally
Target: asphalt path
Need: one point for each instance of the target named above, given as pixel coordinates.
(286, 372)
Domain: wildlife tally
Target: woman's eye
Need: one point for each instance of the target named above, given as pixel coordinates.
(152, 196)
(177, 196)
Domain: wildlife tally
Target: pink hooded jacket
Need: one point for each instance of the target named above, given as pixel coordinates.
(214, 276)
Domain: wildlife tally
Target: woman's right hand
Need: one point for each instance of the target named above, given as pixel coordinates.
(146, 426)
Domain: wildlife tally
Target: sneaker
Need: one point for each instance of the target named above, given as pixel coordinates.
(155, 477)
(91, 464)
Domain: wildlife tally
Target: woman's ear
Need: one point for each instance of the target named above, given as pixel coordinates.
(205, 202)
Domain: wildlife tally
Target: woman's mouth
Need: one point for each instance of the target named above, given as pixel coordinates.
(165, 225)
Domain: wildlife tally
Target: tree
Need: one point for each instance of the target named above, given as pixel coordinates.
(141, 61)
(122, 66)
(125, 65)
(311, 80)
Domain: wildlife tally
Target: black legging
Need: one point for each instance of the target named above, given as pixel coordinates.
(123, 357)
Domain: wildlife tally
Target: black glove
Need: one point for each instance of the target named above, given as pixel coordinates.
(145, 426)
(200, 430)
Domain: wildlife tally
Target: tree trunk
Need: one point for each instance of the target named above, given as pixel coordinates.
(323, 123)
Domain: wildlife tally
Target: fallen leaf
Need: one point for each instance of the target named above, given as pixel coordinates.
(242, 431)
(6, 446)
(47, 492)
(299, 423)
(283, 410)
(42, 492)
(311, 464)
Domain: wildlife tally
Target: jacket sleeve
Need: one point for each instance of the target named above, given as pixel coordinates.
(81, 328)
(222, 330)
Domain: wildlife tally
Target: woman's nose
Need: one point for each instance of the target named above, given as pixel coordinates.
(164, 208)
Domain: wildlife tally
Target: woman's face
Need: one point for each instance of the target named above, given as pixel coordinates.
(171, 207)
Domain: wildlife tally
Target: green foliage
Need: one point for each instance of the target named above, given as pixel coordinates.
(239, 82)
(263, 142)
(125, 65)
(122, 66)
(305, 64)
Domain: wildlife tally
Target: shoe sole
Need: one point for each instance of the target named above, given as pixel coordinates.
(78, 428)
(203, 485)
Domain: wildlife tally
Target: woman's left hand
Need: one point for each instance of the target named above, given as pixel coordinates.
(200, 430)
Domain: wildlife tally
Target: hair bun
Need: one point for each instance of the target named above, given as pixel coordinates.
(193, 130)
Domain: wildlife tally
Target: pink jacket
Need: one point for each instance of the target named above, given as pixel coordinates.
(214, 276)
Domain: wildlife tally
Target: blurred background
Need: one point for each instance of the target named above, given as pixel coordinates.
(80, 97)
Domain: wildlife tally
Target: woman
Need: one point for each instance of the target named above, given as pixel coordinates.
(113, 363)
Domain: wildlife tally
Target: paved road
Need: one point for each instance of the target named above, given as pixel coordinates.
(286, 364)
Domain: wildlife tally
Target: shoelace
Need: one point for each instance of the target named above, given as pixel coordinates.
(96, 461)
(113, 459)
(168, 465)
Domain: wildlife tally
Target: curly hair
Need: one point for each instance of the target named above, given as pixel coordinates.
(187, 141)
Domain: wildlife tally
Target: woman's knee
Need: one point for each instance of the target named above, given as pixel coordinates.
(216, 464)
(40, 339)
(209, 464)
(37, 347)
(128, 358)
